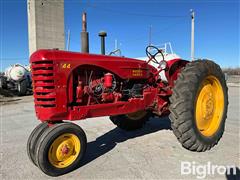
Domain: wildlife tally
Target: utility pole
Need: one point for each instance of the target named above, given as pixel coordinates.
(192, 34)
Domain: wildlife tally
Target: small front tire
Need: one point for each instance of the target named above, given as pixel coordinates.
(32, 141)
(61, 149)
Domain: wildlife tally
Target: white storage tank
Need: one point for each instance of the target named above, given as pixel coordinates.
(16, 72)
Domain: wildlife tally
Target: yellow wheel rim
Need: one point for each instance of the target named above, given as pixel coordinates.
(137, 115)
(209, 106)
(64, 150)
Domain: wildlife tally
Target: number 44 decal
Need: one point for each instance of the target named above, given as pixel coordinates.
(66, 66)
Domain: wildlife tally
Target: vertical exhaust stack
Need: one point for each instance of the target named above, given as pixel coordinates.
(84, 35)
(102, 34)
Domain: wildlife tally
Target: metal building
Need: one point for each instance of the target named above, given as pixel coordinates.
(45, 24)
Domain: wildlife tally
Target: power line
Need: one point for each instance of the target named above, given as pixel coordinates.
(13, 58)
(159, 31)
(123, 13)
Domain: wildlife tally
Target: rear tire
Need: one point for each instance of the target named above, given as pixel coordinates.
(22, 87)
(199, 105)
(60, 149)
(131, 121)
(3, 82)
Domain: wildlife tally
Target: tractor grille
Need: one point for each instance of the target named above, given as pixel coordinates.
(43, 84)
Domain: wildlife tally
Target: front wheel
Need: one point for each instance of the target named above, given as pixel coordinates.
(60, 149)
(33, 139)
(199, 105)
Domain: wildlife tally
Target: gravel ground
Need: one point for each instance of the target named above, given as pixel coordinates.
(150, 153)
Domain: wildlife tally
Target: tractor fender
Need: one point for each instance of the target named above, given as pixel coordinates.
(173, 68)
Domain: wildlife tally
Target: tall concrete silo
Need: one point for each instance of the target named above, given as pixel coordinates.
(45, 24)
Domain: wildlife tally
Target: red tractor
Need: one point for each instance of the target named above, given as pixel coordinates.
(73, 86)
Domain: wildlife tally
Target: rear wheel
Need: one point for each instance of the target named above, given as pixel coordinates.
(60, 149)
(3, 82)
(199, 105)
(131, 121)
(22, 87)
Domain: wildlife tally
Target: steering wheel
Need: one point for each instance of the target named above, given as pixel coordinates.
(152, 56)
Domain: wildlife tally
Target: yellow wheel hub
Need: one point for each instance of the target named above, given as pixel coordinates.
(64, 150)
(137, 115)
(209, 106)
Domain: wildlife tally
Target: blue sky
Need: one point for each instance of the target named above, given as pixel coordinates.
(216, 35)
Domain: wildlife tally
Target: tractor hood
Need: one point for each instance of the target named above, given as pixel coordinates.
(123, 67)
